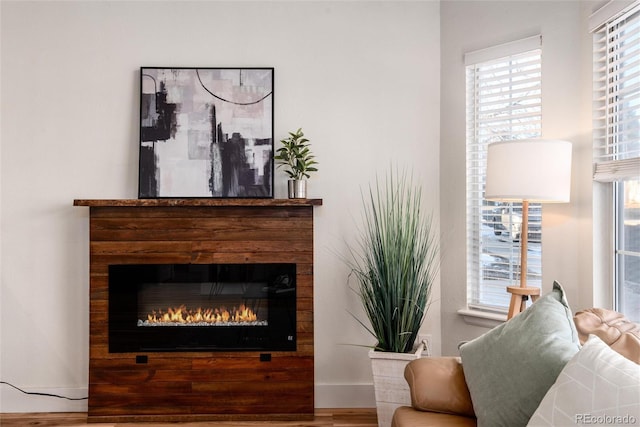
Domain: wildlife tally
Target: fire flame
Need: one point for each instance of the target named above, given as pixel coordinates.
(184, 315)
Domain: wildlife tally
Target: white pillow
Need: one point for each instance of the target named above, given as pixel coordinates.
(597, 386)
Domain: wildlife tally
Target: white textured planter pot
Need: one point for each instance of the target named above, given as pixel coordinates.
(390, 386)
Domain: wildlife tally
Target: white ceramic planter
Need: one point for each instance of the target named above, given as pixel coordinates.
(390, 386)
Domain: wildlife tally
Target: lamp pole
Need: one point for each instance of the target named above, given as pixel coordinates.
(524, 237)
(520, 294)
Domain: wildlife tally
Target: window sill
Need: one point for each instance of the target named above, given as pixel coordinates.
(482, 318)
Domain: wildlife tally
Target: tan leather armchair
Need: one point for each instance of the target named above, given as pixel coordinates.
(439, 393)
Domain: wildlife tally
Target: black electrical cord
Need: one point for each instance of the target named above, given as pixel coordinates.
(43, 394)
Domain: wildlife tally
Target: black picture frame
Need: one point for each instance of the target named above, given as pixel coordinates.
(206, 132)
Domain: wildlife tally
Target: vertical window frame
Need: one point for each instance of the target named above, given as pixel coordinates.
(616, 153)
(476, 171)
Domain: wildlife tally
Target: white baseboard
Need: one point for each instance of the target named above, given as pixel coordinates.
(345, 396)
(12, 400)
(326, 396)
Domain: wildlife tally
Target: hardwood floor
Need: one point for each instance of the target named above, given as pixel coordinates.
(361, 417)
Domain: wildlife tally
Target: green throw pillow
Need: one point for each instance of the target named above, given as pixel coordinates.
(510, 368)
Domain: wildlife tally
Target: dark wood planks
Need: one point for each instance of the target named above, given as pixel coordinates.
(213, 385)
(361, 417)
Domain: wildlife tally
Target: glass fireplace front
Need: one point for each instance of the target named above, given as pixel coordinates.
(202, 307)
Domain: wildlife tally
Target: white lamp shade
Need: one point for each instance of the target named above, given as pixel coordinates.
(536, 170)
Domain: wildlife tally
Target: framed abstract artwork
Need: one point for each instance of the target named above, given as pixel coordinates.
(206, 132)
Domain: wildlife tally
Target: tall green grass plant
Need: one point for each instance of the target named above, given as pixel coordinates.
(395, 261)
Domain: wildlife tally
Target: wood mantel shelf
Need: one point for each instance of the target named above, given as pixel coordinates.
(189, 202)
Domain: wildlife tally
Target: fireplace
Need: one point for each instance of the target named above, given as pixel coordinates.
(202, 307)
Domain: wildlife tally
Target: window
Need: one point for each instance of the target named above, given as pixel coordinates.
(503, 103)
(616, 44)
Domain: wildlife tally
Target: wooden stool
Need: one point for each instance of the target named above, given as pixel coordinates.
(519, 297)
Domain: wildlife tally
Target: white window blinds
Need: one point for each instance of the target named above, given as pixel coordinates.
(616, 80)
(616, 137)
(503, 103)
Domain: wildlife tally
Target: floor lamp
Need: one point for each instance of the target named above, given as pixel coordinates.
(527, 170)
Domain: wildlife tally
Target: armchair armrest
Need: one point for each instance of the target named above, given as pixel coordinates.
(613, 328)
(437, 384)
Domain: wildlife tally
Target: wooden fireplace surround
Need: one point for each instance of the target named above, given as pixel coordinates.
(192, 386)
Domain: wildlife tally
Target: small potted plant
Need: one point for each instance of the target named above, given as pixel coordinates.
(295, 155)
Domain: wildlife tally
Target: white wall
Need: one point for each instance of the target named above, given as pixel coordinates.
(566, 104)
(361, 78)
